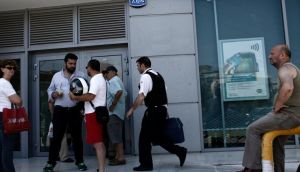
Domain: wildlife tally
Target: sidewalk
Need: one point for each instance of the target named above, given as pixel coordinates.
(195, 162)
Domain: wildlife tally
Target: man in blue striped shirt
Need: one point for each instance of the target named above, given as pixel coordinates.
(67, 112)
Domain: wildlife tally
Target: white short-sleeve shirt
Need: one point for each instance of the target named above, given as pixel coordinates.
(146, 82)
(5, 91)
(98, 88)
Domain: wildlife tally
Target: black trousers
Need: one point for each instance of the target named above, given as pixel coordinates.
(63, 117)
(152, 132)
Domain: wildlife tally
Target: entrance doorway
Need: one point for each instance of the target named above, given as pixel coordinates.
(45, 65)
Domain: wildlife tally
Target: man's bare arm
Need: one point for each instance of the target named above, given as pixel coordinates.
(117, 97)
(85, 97)
(139, 100)
(286, 77)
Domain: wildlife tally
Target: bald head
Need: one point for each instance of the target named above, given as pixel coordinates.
(279, 55)
(284, 49)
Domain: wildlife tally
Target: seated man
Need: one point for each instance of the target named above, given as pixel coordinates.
(285, 113)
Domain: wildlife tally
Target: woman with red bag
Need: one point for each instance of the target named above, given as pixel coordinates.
(8, 96)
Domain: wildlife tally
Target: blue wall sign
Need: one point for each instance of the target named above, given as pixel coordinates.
(137, 3)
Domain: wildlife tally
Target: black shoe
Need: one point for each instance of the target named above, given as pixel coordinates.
(182, 156)
(68, 160)
(142, 168)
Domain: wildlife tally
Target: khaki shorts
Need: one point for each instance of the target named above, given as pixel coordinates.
(115, 129)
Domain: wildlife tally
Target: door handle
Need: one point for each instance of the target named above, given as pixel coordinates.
(35, 77)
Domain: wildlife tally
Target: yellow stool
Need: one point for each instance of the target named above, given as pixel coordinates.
(267, 146)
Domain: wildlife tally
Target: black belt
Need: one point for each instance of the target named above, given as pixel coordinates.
(67, 108)
(157, 106)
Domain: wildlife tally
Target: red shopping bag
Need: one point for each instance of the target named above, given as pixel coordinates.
(15, 120)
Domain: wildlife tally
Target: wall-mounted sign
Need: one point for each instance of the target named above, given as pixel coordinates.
(137, 3)
(243, 70)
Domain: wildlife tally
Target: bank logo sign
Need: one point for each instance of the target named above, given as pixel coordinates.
(137, 3)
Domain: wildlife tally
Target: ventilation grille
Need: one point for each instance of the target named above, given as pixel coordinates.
(51, 26)
(11, 29)
(102, 22)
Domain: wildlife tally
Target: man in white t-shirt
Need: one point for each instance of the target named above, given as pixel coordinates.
(96, 96)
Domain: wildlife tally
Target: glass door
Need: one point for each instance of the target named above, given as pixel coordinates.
(45, 66)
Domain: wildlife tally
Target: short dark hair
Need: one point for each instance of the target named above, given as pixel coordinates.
(285, 49)
(7, 62)
(70, 56)
(144, 60)
(111, 68)
(94, 64)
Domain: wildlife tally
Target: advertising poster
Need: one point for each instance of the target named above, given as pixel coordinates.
(243, 70)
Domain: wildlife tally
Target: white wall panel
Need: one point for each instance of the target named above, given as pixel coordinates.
(188, 113)
(179, 73)
(163, 7)
(162, 35)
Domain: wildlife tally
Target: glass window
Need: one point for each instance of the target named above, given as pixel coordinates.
(293, 14)
(224, 123)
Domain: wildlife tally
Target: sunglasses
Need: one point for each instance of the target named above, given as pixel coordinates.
(11, 68)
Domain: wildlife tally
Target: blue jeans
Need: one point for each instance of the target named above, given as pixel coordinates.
(6, 150)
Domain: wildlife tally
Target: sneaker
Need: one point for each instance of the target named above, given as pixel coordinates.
(48, 168)
(81, 166)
